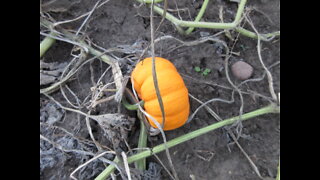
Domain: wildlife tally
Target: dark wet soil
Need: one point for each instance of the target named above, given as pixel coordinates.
(210, 156)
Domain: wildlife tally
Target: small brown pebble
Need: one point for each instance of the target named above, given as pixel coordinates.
(242, 70)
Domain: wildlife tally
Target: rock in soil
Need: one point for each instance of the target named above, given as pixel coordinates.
(242, 70)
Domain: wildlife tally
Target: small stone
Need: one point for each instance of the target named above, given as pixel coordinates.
(242, 70)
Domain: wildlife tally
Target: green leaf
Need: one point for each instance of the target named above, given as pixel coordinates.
(197, 69)
(206, 72)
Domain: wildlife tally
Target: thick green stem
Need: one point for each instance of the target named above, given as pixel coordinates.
(265, 110)
(250, 34)
(240, 11)
(199, 16)
(181, 23)
(45, 44)
(141, 164)
(212, 25)
(131, 107)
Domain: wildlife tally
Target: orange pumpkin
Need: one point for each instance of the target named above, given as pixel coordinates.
(172, 89)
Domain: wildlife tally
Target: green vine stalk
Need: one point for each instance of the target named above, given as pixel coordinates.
(144, 154)
(211, 25)
(45, 44)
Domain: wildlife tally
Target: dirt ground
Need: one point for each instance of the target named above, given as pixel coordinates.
(122, 23)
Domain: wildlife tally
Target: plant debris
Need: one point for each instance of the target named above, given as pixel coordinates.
(50, 72)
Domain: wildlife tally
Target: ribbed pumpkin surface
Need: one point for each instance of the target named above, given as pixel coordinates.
(172, 89)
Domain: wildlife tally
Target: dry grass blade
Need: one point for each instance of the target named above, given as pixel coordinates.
(165, 7)
(101, 119)
(91, 135)
(79, 17)
(71, 38)
(126, 165)
(205, 105)
(258, 79)
(154, 72)
(64, 40)
(165, 168)
(86, 163)
(97, 102)
(155, 80)
(227, 32)
(97, 93)
(159, 160)
(238, 124)
(80, 139)
(255, 168)
(157, 124)
(67, 99)
(67, 77)
(208, 159)
(89, 15)
(58, 146)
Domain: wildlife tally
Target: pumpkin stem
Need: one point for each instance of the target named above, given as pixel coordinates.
(131, 107)
(142, 143)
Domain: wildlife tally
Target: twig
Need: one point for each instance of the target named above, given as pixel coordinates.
(207, 108)
(232, 136)
(126, 166)
(58, 146)
(164, 167)
(255, 168)
(86, 163)
(203, 158)
(205, 105)
(163, 15)
(67, 99)
(261, 78)
(53, 87)
(89, 15)
(90, 133)
(226, 67)
(270, 79)
(227, 32)
(103, 74)
(177, 10)
(77, 18)
(92, 74)
(118, 78)
(65, 40)
(73, 94)
(80, 139)
(81, 152)
(265, 110)
(95, 103)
